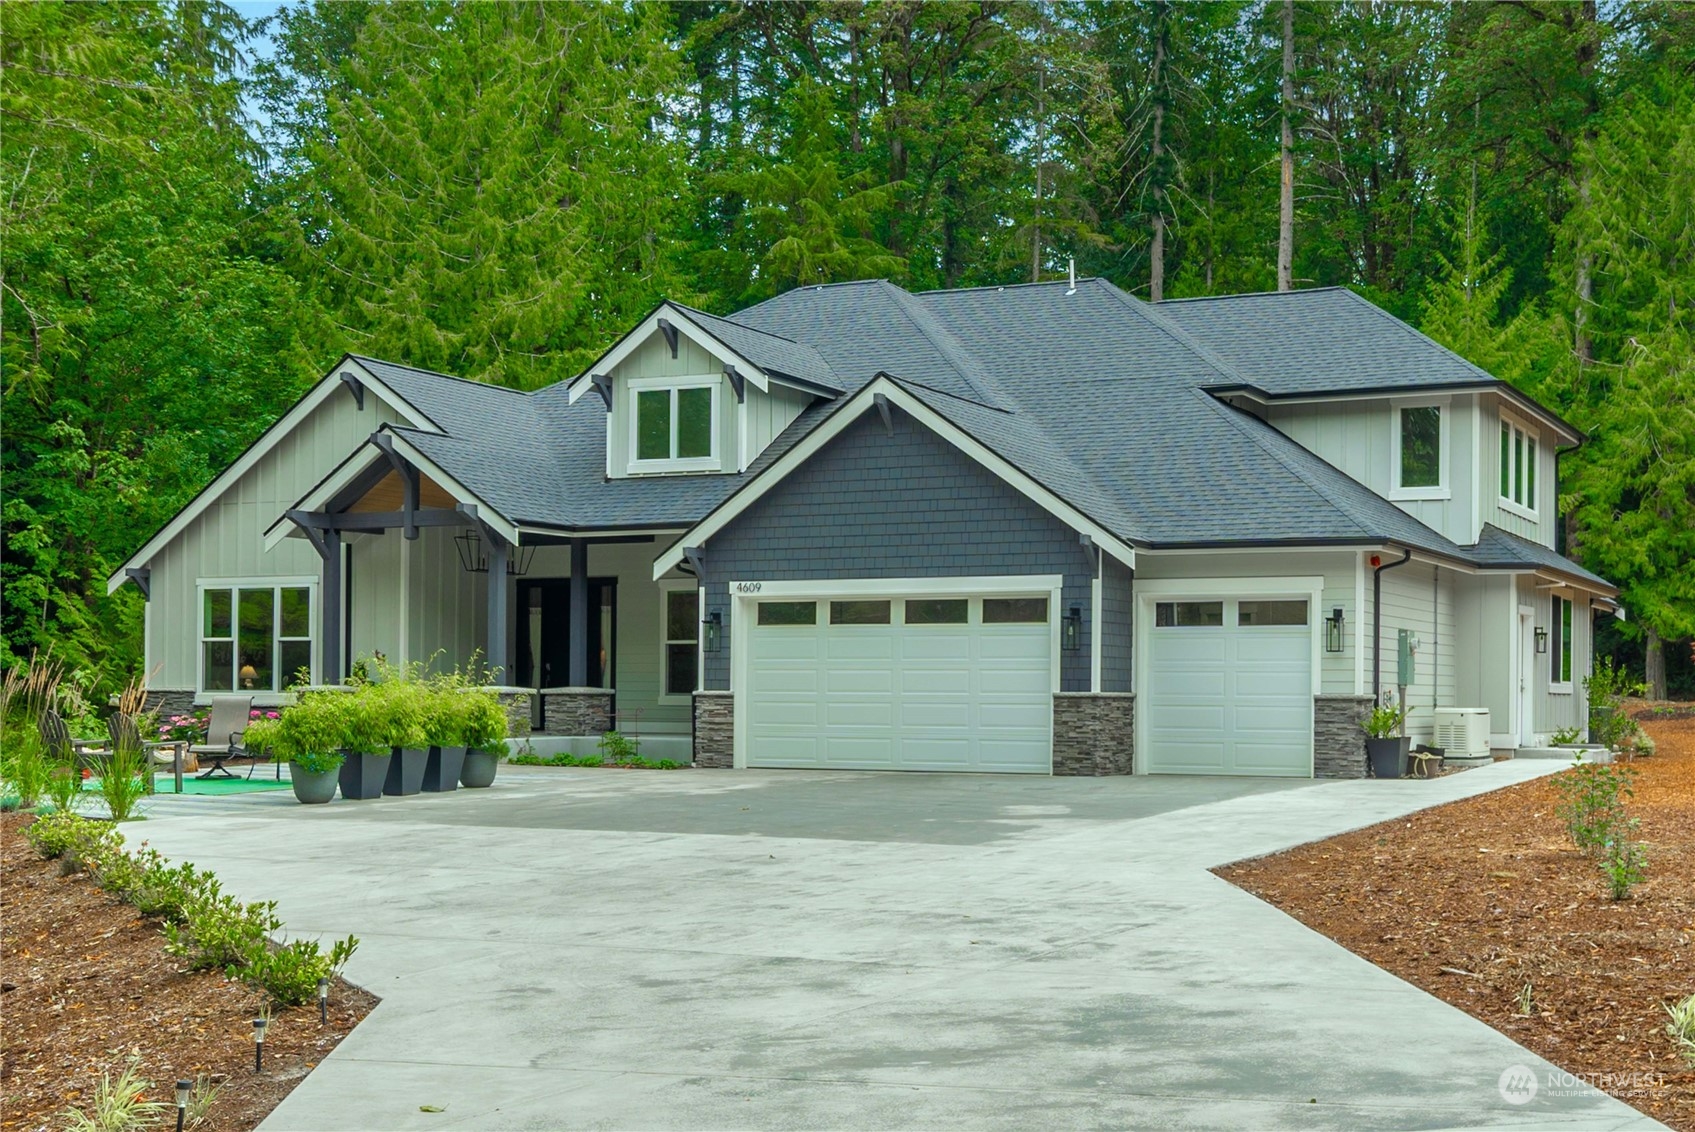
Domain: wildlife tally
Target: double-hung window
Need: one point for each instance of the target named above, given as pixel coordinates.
(1559, 650)
(1518, 467)
(681, 615)
(1420, 451)
(674, 425)
(254, 636)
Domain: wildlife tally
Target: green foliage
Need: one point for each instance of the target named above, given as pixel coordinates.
(1567, 735)
(1592, 797)
(1384, 722)
(118, 1105)
(125, 775)
(25, 767)
(629, 759)
(616, 748)
(1623, 862)
(484, 722)
(1681, 1027)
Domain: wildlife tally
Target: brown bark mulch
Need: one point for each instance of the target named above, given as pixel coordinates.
(1477, 900)
(86, 985)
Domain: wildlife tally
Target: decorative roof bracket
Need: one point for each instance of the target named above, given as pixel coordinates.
(603, 386)
(143, 579)
(358, 387)
(667, 328)
(737, 382)
(881, 400)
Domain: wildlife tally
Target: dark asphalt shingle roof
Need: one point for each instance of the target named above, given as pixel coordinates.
(1099, 397)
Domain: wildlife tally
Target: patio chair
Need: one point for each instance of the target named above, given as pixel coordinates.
(126, 736)
(223, 733)
(56, 737)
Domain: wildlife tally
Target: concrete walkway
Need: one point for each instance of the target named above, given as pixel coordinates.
(704, 949)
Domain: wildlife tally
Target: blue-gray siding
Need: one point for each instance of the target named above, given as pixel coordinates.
(1117, 630)
(871, 504)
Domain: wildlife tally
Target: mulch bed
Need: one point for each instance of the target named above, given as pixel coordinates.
(1474, 900)
(85, 984)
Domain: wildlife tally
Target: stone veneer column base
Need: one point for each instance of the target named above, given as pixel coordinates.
(714, 729)
(1338, 740)
(1094, 733)
(517, 705)
(576, 711)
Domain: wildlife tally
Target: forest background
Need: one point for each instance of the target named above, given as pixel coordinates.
(201, 212)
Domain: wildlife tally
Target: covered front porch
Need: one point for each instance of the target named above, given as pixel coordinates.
(417, 571)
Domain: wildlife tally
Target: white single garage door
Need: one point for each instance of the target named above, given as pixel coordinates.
(1229, 687)
(948, 683)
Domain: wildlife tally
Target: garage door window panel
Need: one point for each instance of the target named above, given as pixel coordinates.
(1271, 613)
(1189, 614)
(938, 611)
(788, 613)
(1015, 610)
(859, 612)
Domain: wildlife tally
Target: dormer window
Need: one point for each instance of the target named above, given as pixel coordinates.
(674, 425)
(1518, 468)
(1420, 451)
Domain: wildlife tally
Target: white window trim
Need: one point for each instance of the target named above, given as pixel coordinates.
(1556, 635)
(261, 696)
(745, 594)
(1443, 488)
(1507, 503)
(671, 466)
(666, 589)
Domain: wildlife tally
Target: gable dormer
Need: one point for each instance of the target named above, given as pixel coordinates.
(687, 393)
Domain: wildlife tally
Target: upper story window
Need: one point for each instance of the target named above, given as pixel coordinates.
(674, 425)
(1518, 468)
(1420, 451)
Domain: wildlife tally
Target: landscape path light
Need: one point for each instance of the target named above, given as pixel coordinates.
(259, 1025)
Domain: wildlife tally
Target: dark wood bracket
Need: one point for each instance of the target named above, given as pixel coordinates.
(670, 331)
(358, 387)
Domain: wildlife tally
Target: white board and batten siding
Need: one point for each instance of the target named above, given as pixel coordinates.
(414, 602)
(764, 416)
(1420, 598)
(225, 542)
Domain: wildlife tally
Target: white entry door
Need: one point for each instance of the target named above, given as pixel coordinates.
(1229, 687)
(951, 683)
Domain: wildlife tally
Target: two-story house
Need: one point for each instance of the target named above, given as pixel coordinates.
(1045, 528)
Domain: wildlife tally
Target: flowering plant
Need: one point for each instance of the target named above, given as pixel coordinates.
(184, 728)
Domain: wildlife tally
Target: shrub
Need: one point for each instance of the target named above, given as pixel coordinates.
(58, 833)
(616, 748)
(289, 972)
(26, 766)
(1568, 735)
(124, 778)
(1623, 862)
(397, 712)
(1384, 722)
(64, 787)
(1592, 801)
(484, 721)
(311, 734)
(221, 933)
(1681, 1028)
(118, 1106)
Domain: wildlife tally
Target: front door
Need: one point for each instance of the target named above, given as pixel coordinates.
(1526, 676)
(544, 632)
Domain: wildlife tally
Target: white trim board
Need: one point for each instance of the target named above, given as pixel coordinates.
(327, 387)
(647, 328)
(858, 406)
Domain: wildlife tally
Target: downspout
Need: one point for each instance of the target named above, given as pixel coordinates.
(1377, 622)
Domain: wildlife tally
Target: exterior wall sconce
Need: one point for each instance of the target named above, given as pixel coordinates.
(475, 559)
(713, 628)
(1071, 630)
(1541, 639)
(1333, 631)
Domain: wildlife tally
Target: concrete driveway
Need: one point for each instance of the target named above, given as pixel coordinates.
(715, 949)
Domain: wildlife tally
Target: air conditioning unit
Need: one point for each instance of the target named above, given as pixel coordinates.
(1463, 732)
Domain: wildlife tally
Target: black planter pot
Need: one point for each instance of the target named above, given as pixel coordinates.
(313, 788)
(1387, 757)
(406, 770)
(479, 768)
(441, 769)
(362, 776)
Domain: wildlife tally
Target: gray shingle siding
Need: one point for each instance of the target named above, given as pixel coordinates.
(1117, 625)
(871, 504)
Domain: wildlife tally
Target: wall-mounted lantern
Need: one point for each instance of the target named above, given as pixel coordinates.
(712, 628)
(1333, 631)
(1071, 630)
(1541, 639)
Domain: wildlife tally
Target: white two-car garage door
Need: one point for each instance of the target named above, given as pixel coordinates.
(1228, 687)
(961, 683)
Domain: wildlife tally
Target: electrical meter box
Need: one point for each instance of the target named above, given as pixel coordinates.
(1406, 650)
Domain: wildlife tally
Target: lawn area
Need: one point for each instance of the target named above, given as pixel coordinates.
(87, 986)
(1486, 904)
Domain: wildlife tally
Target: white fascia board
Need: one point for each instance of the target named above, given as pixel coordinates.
(1269, 586)
(862, 403)
(646, 329)
(328, 386)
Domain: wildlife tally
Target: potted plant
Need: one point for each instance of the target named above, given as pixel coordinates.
(398, 715)
(308, 737)
(1385, 748)
(444, 730)
(485, 737)
(365, 748)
